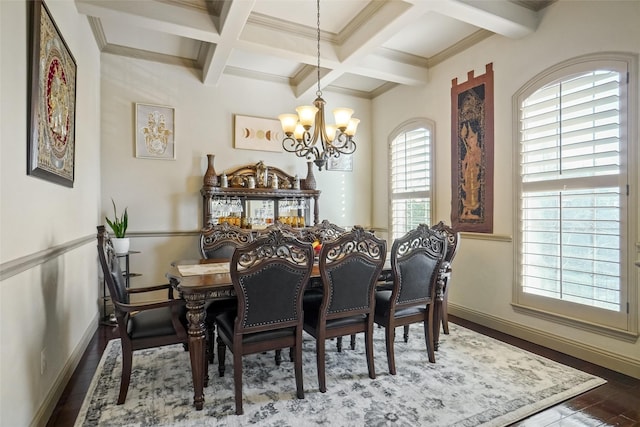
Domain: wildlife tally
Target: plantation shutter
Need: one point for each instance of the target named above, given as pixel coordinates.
(410, 180)
(572, 183)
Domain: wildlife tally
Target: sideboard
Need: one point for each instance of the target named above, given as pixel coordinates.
(253, 196)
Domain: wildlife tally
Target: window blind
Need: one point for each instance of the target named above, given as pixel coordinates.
(410, 180)
(570, 167)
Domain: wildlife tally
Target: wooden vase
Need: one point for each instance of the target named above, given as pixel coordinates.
(210, 177)
(310, 181)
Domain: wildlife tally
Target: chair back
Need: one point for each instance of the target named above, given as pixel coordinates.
(220, 240)
(269, 276)
(453, 240)
(323, 232)
(283, 228)
(111, 271)
(350, 267)
(416, 259)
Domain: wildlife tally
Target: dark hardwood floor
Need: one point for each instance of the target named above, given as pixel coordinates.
(616, 403)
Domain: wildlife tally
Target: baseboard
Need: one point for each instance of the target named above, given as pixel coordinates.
(49, 404)
(598, 356)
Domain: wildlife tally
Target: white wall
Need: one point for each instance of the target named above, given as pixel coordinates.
(50, 229)
(483, 272)
(164, 195)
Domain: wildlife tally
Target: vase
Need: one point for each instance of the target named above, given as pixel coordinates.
(210, 177)
(120, 245)
(310, 181)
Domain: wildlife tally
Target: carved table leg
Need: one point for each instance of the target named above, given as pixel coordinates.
(197, 331)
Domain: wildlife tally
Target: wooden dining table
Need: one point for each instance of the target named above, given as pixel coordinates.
(198, 281)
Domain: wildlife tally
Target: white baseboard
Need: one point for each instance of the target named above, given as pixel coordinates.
(49, 404)
(598, 356)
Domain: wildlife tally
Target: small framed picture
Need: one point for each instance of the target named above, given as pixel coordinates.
(343, 163)
(256, 133)
(155, 132)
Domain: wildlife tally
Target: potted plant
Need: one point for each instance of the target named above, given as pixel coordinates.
(119, 227)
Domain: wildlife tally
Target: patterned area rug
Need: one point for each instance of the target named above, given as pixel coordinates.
(476, 380)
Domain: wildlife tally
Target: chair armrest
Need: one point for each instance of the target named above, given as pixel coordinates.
(153, 288)
(149, 305)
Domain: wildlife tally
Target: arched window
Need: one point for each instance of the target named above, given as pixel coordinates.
(572, 237)
(410, 186)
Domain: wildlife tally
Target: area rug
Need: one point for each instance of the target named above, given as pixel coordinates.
(476, 381)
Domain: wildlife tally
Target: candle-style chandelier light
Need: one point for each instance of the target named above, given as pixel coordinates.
(323, 141)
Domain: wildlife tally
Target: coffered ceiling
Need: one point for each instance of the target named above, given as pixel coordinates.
(367, 46)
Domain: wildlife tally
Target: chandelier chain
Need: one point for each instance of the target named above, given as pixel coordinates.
(318, 92)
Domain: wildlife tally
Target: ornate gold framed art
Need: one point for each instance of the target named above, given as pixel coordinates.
(52, 101)
(472, 153)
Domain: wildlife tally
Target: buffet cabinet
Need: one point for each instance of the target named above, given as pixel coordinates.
(255, 196)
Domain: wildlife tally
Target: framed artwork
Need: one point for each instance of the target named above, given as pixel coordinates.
(155, 131)
(472, 153)
(256, 133)
(342, 163)
(52, 101)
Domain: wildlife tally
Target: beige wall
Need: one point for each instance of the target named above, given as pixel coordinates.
(483, 272)
(48, 290)
(49, 301)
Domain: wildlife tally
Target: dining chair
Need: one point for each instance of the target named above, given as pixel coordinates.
(325, 231)
(269, 276)
(442, 291)
(219, 241)
(416, 258)
(349, 269)
(140, 325)
(453, 244)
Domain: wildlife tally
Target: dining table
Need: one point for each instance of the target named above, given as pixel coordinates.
(198, 281)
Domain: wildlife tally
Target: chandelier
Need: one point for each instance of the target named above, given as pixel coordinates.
(323, 141)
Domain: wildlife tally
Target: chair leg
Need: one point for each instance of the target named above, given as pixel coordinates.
(211, 342)
(292, 354)
(320, 361)
(339, 344)
(406, 333)
(298, 368)
(428, 333)
(222, 348)
(237, 379)
(389, 337)
(127, 356)
(368, 338)
(445, 316)
(353, 341)
(437, 319)
(278, 357)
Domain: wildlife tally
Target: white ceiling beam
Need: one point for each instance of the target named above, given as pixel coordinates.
(499, 16)
(233, 20)
(162, 17)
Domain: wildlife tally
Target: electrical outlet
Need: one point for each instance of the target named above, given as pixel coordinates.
(43, 361)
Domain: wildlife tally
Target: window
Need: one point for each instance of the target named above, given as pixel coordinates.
(572, 237)
(411, 175)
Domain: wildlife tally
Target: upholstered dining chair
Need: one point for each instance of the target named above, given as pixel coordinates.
(325, 231)
(453, 244)
(416, 259)
(349, 268)
(442, 291)
(141, 325)
(220, 241)
(269, 276)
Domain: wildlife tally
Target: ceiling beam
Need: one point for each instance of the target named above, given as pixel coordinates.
(233, 19)
(162, 17)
